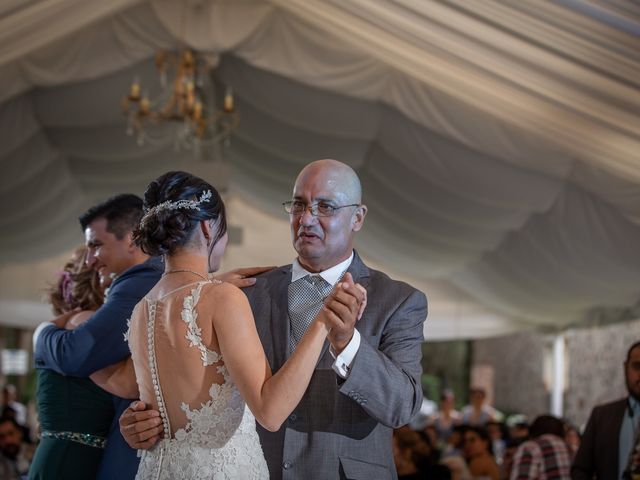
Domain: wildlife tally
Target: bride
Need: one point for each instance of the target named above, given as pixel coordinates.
(195, 349)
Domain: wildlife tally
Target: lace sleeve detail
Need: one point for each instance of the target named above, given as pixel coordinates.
(126, 333)
(194, 332)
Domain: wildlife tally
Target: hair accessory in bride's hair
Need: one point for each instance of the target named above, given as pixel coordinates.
(169, 205)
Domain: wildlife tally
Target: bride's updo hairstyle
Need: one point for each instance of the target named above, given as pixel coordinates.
(174, 204)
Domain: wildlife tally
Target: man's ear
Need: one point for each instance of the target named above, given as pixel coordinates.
(131, 245)
(358, 218)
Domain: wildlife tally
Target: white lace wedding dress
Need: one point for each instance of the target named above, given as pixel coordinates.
(208, 431)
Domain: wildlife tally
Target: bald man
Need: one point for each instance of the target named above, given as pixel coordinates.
(367, 380)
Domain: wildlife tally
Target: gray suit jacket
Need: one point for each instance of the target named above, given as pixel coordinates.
(597, 456)
(342, 429)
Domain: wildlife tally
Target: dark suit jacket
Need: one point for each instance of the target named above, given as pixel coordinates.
(98, 343)
(342, 429)
(597, 456)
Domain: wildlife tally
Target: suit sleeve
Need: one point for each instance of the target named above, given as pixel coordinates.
(583, 467)
(385, 380)
(95, 344)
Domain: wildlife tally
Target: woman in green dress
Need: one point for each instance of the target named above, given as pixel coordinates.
(74, 413)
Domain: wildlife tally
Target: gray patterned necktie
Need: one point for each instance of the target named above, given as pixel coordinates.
(306, 296)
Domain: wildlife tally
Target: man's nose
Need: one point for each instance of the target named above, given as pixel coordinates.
(90, 259)
(307, 218)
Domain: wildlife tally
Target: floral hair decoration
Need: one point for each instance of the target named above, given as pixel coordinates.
(66, 287)
(170, 205)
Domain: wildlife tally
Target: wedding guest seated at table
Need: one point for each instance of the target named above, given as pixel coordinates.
(406, 453)
(499, 435)
(447, 417)
(519, 430)
(478, 412)
(477, 451)
(9, 412)
(10, 399)
(15, 453)
(546, 455)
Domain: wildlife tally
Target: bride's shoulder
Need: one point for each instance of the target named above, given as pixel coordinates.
(222, 294)
(215, 286)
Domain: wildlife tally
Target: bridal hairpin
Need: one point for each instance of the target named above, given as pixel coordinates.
(169, 205)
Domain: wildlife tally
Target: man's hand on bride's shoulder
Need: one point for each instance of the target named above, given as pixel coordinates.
(61, 320)
(242, 277)
(140, 427)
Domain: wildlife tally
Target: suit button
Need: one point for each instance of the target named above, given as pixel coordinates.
(287, 465)
(293, 417)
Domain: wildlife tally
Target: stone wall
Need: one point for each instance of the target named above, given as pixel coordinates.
(515, 366)
(520, 367)
(596, 372)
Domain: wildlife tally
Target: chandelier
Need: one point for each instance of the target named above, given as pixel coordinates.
(187, 103)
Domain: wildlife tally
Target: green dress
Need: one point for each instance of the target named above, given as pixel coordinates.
(75, 416)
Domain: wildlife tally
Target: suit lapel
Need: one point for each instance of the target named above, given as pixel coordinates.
(280, 317)
(359, 271)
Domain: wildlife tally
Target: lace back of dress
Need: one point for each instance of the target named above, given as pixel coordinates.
(208, 432)
(186, 378)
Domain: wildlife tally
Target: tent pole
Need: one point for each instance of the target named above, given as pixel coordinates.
(557, 390)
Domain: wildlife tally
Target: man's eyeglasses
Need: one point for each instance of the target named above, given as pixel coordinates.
(320, 209)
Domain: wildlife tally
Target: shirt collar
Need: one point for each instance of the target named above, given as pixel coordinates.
(331, 275)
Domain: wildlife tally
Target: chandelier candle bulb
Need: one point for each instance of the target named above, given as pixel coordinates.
(145, 105)
(197, 111)
(228, 101)
(134, 94)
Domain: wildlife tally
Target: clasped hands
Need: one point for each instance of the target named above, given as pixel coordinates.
(342, 309)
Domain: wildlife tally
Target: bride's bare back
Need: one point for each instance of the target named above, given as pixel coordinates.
(181, 373)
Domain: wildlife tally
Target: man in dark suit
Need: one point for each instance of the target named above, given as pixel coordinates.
(367, 380)
(99, 342)
(612, 430)
(108, 229)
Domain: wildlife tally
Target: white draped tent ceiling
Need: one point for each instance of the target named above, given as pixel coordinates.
(498, 143)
